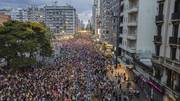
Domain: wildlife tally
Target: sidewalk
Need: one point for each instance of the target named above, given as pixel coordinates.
(112, 75)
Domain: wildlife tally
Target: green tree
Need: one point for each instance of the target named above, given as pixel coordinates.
(21, 42)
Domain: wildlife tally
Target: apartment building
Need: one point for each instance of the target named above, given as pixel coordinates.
(136, 30)
(61, 19)
(166, 61)
(109, 11)
(19, 14)
(136, 46)
(36, 14)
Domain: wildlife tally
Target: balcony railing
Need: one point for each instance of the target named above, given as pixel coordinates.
(158, 59)
(158, 38)
(176, 16)
(132, 36)
(172, 40)
(133, 9)
(159, 18)
(173, 63)
(170, 90)
(179, 41)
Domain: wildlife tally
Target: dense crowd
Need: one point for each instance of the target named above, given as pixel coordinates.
(78, 73)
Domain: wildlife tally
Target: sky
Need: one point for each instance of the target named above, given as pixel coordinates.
(83, 7)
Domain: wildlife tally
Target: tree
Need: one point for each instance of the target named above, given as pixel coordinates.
(21, 42)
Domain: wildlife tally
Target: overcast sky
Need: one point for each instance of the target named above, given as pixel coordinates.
(83, 7)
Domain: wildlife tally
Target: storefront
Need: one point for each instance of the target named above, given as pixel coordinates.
(157, 90)
(143, 85)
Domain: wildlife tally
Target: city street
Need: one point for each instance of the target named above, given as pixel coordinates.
(89, 50)
(78, 73)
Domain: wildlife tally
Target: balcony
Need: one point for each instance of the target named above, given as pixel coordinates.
(131, 49)
(170, 90)
(131, 36)
(157, 59)
(159, 18)
(132, 23)
(176, 16)
(173, 64)
(133, 9)
(157, 39)
(172, 40)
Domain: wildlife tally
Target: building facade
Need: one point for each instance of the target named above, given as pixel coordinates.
(19, 14)
(36, 14)
(109, 16)
(166, 61)
(136, 30)
(61, 19)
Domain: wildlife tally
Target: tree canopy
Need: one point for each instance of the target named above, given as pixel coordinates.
(21, 42)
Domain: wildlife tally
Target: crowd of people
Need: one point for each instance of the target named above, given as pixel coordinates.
(78, 73)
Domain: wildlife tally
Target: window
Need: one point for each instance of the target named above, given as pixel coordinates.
(157, 47)
(173, 53)
(177, 6)
(175, 30)
(161, 6)
(159, 29)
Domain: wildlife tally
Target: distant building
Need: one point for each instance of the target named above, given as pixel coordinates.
(82, 25)
(5, 11)
(4, 18)
(89, 25)
(19, 14)
(61, 19)
(36, 14)
(94, 7)
(107, 11)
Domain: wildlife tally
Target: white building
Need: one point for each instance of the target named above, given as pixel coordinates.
(19, 14)
(137, 28)
(61, 19)
(36, 14)
(167, 45)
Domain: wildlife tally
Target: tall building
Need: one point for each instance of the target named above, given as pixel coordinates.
(89, 25)
(61, 19)
(82, 25)
(94, 6)
(36, 14)
(167, 45)
(136, 30)
(108, 12)
(19, 14)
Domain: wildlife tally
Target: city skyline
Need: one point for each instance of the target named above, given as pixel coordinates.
(83, 7)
